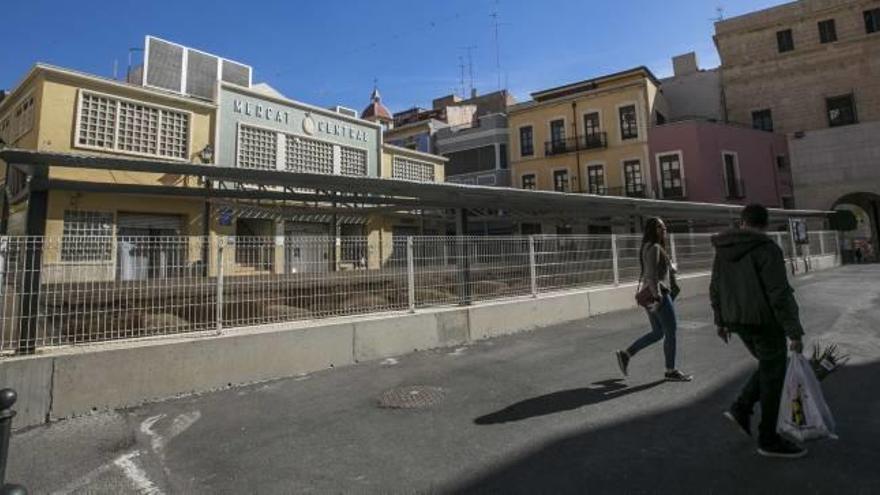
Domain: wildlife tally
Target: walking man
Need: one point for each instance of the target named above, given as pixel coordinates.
(752, 298)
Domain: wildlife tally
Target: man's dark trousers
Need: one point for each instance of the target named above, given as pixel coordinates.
(768, 345)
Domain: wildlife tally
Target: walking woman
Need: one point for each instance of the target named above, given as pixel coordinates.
(658, 276)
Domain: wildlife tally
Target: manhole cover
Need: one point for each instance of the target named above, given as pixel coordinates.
(415, 397)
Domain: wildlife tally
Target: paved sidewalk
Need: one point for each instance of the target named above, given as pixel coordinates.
(542, 412)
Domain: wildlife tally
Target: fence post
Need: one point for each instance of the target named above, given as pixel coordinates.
(821, 243)
(533, 269)
(794, 262)
(221, 244)
(673, 252)
(838, 252)
(615, 261)
(7, 400)
(410, 275)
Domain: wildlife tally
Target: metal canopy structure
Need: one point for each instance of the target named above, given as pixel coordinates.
(366, 193)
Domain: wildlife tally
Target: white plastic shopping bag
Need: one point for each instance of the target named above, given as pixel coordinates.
(803, 413)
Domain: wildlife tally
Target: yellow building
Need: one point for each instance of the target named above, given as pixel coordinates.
(587, 137)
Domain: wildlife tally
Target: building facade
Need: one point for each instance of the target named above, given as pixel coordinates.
(588, 137)
(99, 220)
(711, 162)
(811, 69)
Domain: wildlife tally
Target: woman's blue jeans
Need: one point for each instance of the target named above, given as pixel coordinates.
(663, 326)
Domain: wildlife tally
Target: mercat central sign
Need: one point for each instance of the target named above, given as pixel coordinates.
(309, 124)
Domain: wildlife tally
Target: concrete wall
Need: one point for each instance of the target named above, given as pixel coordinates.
(701, 145)
(697, 94)
(76, 381)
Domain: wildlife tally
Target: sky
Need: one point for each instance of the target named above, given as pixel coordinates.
(330, 52)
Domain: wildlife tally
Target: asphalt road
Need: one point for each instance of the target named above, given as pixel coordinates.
(542, 412)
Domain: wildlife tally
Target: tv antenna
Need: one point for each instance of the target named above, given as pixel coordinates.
(461, 78)
(470, 58)
(719, 14)
(496, 24)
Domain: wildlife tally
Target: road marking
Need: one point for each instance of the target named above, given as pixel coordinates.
(389, 362)
(136, 475)
(85, 480)
(458, 352)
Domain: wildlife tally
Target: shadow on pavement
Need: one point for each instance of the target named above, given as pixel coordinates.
(692, 449)
(565, 400)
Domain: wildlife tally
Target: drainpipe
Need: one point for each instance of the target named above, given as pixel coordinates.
(577, 152)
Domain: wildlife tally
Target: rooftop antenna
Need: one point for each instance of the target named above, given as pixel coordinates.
(470, 65)
(461, 79)
(115, 69)
(494, 16)
(719, 14)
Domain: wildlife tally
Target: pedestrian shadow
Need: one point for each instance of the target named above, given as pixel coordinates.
(564, 400)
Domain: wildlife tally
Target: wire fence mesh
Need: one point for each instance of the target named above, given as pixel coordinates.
(81, 289)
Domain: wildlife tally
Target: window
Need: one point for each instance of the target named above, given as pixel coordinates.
(788, 202)
(841, 110)
(502, 153)
(762, 120)
(733, 186)
(255, 242)
(872, 21)
(471, 160)
(257, 148)
(785, 41)
(131, 127)
(528, 182)
(18, 121)
(632, 175)
(596, 179)
(409, 169)
(312, 156)
(353, 245)
(671, 182)
(87, 236)
(592, 130)
(557, 135)
(827, 31)
(560, 180)
(629, 128)
(781, 162)
(353, 161)
(526, 143)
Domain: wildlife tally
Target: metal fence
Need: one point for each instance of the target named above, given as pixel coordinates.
(72, 290)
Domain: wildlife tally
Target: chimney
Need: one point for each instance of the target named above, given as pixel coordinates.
(686, 64)
(473, 93)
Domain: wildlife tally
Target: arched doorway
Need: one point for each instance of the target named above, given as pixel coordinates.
(863, 242)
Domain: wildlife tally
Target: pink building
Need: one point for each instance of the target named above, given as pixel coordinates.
(712, 162)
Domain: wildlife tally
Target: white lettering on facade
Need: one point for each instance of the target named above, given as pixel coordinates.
(283, 116)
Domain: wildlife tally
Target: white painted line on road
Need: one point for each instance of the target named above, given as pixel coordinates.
(137, 475)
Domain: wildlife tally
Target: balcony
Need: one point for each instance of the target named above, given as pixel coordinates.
(593, 141)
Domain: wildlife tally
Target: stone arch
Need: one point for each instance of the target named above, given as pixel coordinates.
(866, 207)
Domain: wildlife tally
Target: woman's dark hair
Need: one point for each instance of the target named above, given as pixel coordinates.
(651, 236)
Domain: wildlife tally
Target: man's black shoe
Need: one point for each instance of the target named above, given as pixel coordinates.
(622, 361)
(782, 448)
(742, 421)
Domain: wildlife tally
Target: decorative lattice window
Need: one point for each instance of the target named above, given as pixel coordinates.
(174, 134)
(308, 155)
(87, 236)
(354, 162)
(132, 127)
(257, 148)
(408, 169)
(138, 128)
(97, 121)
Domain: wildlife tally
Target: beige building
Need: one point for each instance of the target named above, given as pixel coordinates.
(588, 137)
(811, 69)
